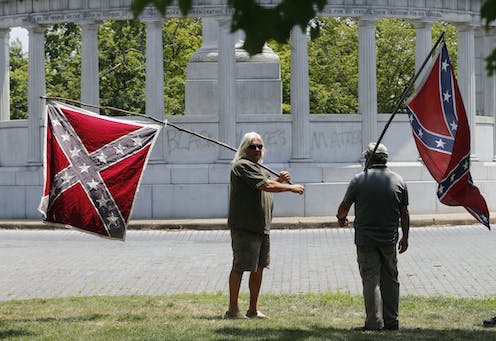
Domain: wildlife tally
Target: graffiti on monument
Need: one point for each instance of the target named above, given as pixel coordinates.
(336, 141)
(176, 141)
(277, 137)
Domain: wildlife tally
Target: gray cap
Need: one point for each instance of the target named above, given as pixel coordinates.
(381, 150)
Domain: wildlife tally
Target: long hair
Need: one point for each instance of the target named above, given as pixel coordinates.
(245, 142)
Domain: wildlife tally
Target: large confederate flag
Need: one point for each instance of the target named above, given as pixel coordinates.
(441, 132)
(93, 166)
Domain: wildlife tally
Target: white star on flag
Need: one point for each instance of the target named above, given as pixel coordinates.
(65, 137)
(445, 65)
(112, 219)
(102, 158)
(75, 152)
(102, 202)
(66, 177)
(446, 96)
(138, 141)
(453, 126)
(93, 184)
(119, 149)
(84, 168)
(440, 143)
(441, 189)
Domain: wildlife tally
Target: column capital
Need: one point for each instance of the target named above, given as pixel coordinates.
(421, 23)
(224, 21)
(367, 21)
(4, 31)
(36, 28)
(465, 26)
(89, 24)
(152, 20)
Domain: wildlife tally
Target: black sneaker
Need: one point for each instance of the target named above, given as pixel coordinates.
(489, 323)
(392, 326)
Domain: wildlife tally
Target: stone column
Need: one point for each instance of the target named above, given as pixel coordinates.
(155, 80)
(367, 88)
(154, 70)
(300, 102)
(4, 75)
(490, 84)
(466, 77)
(210, 30)
(423, 38)
(90, 81)
(36, 88)
(226, 89)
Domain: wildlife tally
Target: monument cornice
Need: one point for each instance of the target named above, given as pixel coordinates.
(32, 12)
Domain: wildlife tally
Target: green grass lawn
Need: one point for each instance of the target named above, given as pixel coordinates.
(198, 317)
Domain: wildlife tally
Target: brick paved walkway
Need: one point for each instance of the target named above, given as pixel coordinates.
(455, 261)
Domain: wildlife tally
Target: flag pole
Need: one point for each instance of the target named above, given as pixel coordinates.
(127, 112)
(403, 96)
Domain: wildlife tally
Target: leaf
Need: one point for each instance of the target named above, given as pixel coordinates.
(488, 11)
(185, 6)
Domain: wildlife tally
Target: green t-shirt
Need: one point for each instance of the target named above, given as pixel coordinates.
(250, 208)
(378, 193)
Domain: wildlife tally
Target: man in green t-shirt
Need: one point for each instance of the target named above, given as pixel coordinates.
(250, 215)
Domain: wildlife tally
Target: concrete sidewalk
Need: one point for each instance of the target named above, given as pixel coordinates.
(448, 219)
(450, 261)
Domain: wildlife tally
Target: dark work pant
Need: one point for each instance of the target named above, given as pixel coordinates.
(381, 289)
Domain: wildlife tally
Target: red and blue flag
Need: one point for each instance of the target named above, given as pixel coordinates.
(93, 166)
(442, 134)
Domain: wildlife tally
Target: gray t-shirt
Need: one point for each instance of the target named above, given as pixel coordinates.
(250, 208)
(378, 193)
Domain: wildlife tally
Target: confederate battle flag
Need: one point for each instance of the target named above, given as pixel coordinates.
(441, 131)
(93, 166)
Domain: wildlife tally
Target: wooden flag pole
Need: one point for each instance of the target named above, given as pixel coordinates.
(403, 96)
(165, 123)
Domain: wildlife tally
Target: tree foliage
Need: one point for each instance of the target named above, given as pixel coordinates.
(450, 38)
(488, 13)
(260, 23)
(18, 81)
(395, 41)
(333, 68)
(182, 37)
(62, 60)
(122, 64)
(333, 63)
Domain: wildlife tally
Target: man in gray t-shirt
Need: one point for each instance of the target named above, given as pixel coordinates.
(381, 200)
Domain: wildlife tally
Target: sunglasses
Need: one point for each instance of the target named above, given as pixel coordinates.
(255, 146)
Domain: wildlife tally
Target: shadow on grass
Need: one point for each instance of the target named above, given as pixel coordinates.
(230, 333)
(9, 333)
(92, 317)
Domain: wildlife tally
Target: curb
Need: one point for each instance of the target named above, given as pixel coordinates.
(278, 223)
